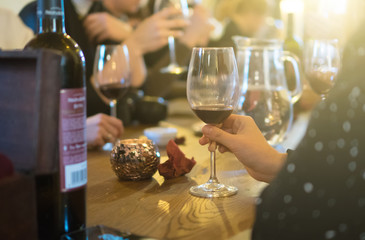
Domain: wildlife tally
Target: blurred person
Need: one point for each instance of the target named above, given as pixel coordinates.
(317, 190)
(150, 35)
(148, 38)
(243, 18)
(151, 31)
(100, 128)
(76, 29)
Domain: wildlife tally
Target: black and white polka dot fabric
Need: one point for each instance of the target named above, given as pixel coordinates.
(320, 192)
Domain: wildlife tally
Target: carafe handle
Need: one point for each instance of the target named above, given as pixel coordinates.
(293, 59)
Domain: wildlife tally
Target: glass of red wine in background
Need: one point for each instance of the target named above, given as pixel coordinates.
(111, 76)
(213, 89)
(173, 67)
(321, 63)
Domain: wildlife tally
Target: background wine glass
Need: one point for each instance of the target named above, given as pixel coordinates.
(182, 5)
(213, 90)
(111, 74)
(322, 62)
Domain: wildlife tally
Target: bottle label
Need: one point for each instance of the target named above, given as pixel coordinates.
(72, 143)
(51, 8)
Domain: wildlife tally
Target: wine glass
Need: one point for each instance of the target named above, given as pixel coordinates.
(111, 75)
(182, 5)
(213, 89)
(322, 62)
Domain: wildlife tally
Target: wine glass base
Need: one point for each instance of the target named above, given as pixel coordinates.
(173, 69)
(213, 190)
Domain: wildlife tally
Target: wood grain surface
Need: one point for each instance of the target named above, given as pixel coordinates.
(164, 209)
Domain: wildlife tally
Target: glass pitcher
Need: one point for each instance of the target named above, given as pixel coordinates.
(265, 94)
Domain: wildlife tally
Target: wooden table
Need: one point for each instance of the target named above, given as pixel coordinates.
(165, 209)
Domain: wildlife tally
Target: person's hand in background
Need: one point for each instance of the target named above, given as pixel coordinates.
(153, 32)
(197, 33)
(101, 129)
(241, 136)
(103, 26)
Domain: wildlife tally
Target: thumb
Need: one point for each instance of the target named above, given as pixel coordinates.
(218, 135)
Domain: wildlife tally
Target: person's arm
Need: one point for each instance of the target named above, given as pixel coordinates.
(103, 26)
(241, 136)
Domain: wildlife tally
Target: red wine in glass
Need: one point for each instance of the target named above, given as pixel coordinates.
(113, 90)
(213, 114)
(321, 81)
(321, 65)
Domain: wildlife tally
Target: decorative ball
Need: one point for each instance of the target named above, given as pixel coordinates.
(134, 159)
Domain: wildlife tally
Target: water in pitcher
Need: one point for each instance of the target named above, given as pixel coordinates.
(271, 109)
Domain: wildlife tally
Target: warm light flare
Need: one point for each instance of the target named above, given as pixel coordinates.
(292, 6)
(333, 6)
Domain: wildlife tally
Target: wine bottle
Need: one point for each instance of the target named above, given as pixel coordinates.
(294, 45)
(292, 42)
(61, 195)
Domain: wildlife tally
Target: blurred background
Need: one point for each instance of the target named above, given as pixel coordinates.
(313, 18)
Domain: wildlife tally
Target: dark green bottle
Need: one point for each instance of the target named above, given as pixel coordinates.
(61, 205)
(294, 45)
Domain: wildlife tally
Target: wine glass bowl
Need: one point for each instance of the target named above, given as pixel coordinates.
(111, 73)
(213, 89)
(111, 76)
(322, 62)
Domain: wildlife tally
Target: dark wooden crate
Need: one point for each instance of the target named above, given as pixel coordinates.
(30, 82)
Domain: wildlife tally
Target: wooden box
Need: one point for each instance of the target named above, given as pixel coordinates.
(30, 82)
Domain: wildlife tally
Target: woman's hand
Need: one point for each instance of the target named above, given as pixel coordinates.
(101, 129)
(241, 136)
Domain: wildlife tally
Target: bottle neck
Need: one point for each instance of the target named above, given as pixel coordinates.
(51, 16)
(290, 26)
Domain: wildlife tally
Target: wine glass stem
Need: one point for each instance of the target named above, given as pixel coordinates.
(113, 108)
(213, 178)
(172, 50)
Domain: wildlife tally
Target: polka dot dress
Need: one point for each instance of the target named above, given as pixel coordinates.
(320, 191)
